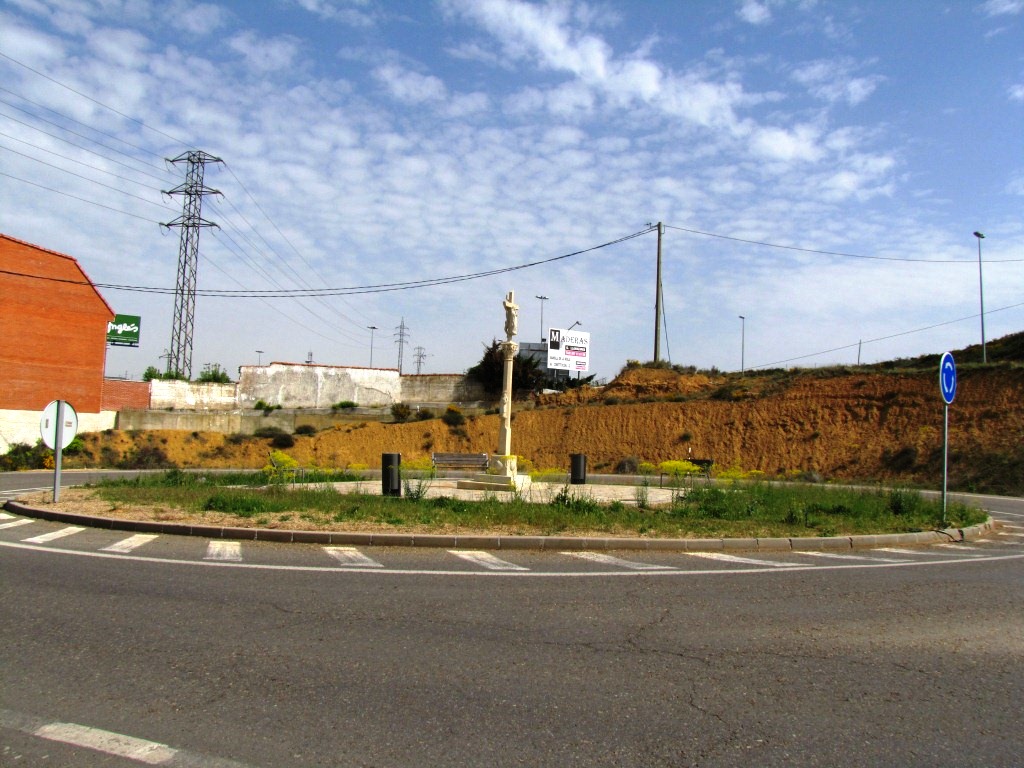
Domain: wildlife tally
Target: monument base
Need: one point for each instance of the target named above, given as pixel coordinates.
(496, 483)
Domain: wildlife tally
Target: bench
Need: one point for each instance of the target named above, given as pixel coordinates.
(467, 461)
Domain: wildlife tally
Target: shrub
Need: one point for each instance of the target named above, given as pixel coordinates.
(284, 440)
(400, 412)
(343, 405)
(424, 414)
(25, 456)
(268, 432)
(628, 466)
(453, 416)
(146, 457)
(305, 429)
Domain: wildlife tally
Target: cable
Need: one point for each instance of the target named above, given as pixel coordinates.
(837, 253)
(84, 200)
(886, 338)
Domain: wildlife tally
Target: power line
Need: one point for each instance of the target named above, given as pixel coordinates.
(84, 200)
(835, 253)
(886, 338)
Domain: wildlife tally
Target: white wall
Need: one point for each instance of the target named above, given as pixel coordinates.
(23, 426)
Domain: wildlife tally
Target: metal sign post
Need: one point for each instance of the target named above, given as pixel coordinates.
(947, 386)
(58, 428)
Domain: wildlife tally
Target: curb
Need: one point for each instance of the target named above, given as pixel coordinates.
(560, 543)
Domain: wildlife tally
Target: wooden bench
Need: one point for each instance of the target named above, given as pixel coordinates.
(466, 461)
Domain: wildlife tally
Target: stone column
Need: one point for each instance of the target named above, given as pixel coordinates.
(504, 463)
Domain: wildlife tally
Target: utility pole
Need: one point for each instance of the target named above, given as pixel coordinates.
(402, 331)
(657, 300)
(179, 361)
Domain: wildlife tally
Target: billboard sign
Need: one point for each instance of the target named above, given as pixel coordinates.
(568, 350)
(123, 330)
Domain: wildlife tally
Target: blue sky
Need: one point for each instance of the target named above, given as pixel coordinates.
(820, 168)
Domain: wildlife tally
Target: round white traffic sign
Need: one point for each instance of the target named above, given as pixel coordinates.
(947, 378)
(48, 424)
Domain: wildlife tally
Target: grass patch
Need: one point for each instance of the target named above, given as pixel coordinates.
(700, 511)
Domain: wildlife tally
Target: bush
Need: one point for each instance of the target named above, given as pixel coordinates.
(268, 432)
(453, 416)
(25, 456)
(628, 466)
(305, 429)
(425, 414)
(400, 412)
(284, 440)
(146, 457)
(344, 405)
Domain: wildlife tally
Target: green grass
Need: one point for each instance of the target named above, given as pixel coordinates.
(702, 511)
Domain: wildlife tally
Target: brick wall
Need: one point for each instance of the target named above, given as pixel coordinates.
(119, 395)
(53, 328)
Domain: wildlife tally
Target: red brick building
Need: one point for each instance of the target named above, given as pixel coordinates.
(53, 330)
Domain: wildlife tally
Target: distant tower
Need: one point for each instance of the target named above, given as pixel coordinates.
(179, 359)
(401, 339)
(420, 355)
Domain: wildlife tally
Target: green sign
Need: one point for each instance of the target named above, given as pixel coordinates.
(123, 330)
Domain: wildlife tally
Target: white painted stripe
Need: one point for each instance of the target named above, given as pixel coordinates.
(741, 560)
(15, 524)
(598, 557)
(350, 557)
(952, 545)
(486, 560)
(900, 551)
(5, 516)
(224, 551)
(131, 543)
(140, 750)
(45, 537)
(1011, 535)
(866, 558)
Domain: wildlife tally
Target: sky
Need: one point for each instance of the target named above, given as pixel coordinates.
(819, 167)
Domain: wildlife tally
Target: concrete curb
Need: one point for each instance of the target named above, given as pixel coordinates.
(545, 543)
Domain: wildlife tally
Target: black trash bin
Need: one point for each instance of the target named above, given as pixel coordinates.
(391, 474)
(577, 468)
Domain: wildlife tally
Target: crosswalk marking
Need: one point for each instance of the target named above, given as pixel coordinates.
(351, 557)
(52, 535)
(224, 551)
(598, 557)
(15, 523)
(131, 543)
(741, 560)
(867, 558)
(486, 560)
(5, 516)
(900, 551)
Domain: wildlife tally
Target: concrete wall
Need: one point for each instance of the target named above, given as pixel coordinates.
(317, 386)
(23, 426)
(244, 422)
(192, 395)
(440, 389)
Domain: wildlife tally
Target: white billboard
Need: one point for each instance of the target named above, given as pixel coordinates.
(568, 350)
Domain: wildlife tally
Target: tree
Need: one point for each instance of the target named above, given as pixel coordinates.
(213, 373)
(490, 371)
(152, 373)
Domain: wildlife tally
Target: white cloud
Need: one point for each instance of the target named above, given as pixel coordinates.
(265, 55)
(833, 80)
(799, 143)
(754, 12)
(410, 87)
(1002, 7)
(1017, 92)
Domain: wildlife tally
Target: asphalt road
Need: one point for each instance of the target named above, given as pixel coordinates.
(269, 662)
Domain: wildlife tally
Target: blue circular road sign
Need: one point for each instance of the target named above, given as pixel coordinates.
(947, 378)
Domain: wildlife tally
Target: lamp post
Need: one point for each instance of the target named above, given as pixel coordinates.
(259, 357)
(371, 328)
(542, 300)
(981, 295)
(743, 344)
(573, 325)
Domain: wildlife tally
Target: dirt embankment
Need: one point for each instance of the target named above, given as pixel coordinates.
(857, 426)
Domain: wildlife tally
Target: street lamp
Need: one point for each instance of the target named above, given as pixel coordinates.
(542, 300)
(743, 344)
(259, 357)
(371, 328)
(573, 325)
(981, 294)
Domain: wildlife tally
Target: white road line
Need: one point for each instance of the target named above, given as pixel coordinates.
(900, 551)
(16, 523)
(140, 750)
(5, 516)
(350, 557)
(45, 537)
(865, 558)
(131, 543)
(1011, 535)
(741, 560)
(598, 557)
(952, 545)
(224, 551)
(486, 560)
